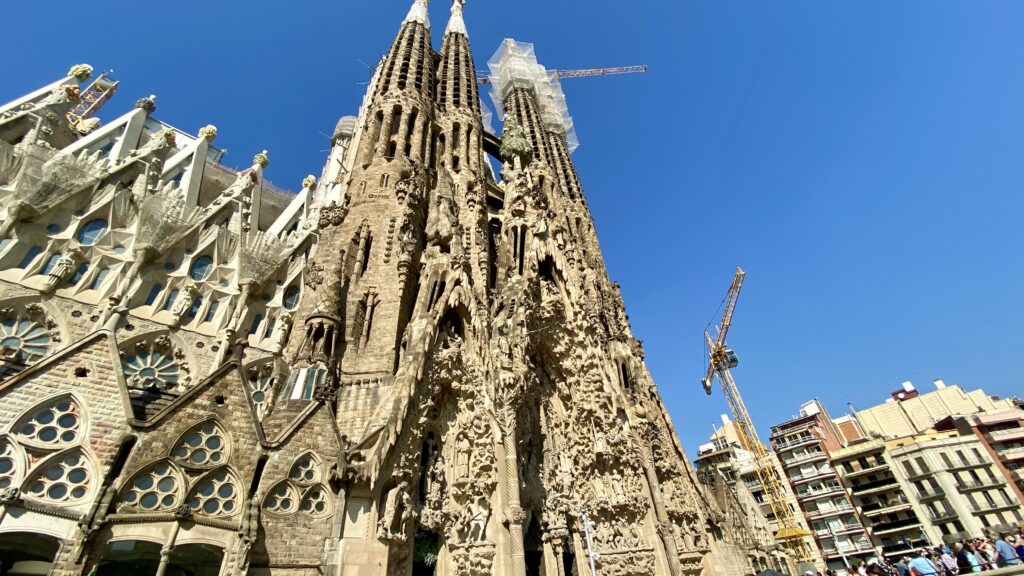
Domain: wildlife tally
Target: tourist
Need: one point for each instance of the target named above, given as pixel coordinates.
(1007, 554)
(923, 566)
(986, 553)
(1020, 546)
(972, 556)
(948, 563)
(903, 566)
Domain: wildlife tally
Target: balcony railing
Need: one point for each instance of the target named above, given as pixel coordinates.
(895, 525)
(929, 494)
(990, 506)
(812, 475)
(868, 486)
(819, 493)
(987, 483)
(1013, 453)
(968, 463)
(794, 442)
(806, 457)
(1011, 433)
(833, 510)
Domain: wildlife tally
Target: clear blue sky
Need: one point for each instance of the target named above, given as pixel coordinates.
(863, 161)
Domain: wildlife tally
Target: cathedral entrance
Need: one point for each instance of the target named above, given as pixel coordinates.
(426, 549)
(26, 554)
(136, 557)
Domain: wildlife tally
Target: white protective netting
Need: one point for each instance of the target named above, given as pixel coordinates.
(515, 65)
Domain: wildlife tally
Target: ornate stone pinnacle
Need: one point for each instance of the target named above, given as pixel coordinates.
(148, 103)
(309, 181)
(208, 132)
(514, 143)
(81, 72)
(262, 159)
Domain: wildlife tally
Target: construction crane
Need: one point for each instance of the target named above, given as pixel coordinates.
(483, 77)
(92, 99)
(721, 360)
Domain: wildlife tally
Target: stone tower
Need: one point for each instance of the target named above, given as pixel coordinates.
(417, 365)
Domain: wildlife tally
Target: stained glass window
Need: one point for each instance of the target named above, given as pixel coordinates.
(91, 232)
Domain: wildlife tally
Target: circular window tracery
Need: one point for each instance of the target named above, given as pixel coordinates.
(152, 369)
(203, 446)
(8, 464)
(282, 499)
(201, 268)
(156, 489)
(315, 502)
(23, 340)
(65, 480)
(91, 232)
(58, 423)
(305, 470)
(291, 298)
(215, 496)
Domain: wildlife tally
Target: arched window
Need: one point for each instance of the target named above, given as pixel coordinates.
(204, 445)
(58, 423)
(305, 471)
(154, 293)
(9, 464)
(91, 232)
(201, 268)
(152, 369)
(64, 479)
(157, 488)
(51, 262)
(216, 495)
(79, 273)
(283, 499)
(315, 502)
(23, 340)
(291, 298)
(30, 257)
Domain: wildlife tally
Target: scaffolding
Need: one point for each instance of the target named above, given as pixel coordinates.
(92, 99)
(514, 66)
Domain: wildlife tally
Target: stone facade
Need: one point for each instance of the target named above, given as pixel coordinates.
(411, 366)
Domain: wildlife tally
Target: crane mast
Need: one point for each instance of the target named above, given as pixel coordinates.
(721, 359)
(484, 77)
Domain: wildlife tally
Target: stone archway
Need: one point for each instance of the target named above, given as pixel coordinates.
(135, 557)
(27, 554)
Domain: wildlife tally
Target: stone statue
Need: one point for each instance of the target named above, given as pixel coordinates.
(281, 331)
(63, 269)
(464, 449)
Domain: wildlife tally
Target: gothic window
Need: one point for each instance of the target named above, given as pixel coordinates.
(91, 232)
(315, 502)
(215, 495)
(201, 268)
(203, 446)
(9, 464)
(30, 257)
(154, 293)
(80, 272)
(211, 312)
(283, 499)
(58, 423)
(63, 479)
(51, 262)
(157, 488)
(152, 369)
(169, 303)
(291, 298)
(97, 282)
(304, 472)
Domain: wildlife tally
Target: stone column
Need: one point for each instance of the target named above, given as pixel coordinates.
(664, 524)
(385, 133)
(403, 131)
(514, 515)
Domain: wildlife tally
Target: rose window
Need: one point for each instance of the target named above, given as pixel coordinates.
(203, 446)
(315, 502)
(282, 499)
(152, 370)
(157, 489)
(65, 480)
(22, 342)
(304, 471)
(59, 423)
(8, 465)
(260, 388)
(215, 495)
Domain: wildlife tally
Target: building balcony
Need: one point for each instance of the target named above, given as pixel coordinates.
(864, 471)
(925, 495)
(896, 526)
(1011, 454)
(919, 474)
(823, 512)
(943, 516)
(875, 487)
(980, 485)
(904, 546)
(819, 475)
(964, 463)
(1006, 435)
(803, 458)
(849, 551)
(900, 504)
(794, 442)
(984, 507)
(813, 494)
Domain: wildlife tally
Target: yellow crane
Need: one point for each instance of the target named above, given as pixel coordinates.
(721, 359)
(483, 77)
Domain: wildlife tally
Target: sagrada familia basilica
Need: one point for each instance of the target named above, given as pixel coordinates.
(417, 364)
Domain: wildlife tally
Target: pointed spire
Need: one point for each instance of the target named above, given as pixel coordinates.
(456, 25)
(419, 13)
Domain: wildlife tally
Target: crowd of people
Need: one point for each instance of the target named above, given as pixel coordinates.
(964, 557)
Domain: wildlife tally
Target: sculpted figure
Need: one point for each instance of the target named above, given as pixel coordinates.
(464, 450)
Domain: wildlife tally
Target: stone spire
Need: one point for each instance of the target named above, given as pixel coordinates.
(419, 12)
(456, 25)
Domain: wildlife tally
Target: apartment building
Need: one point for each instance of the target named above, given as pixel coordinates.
(802, 446)
(1002, 435)
(957, 483)
(910, 412)
(892, 516)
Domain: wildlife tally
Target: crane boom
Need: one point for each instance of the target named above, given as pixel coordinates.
(721, 359)
(484, 77)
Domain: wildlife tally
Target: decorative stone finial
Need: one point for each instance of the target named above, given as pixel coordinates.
(169, 135)
(309, 181)
(148, 103)
(208, 132)
(514, 143)
(80, 72)
(262, 159)
(456, 25)
(420, 12)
